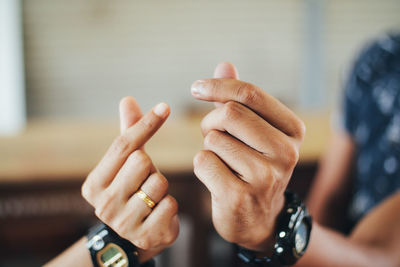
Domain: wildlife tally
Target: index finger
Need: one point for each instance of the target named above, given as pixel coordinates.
(132, 139)
(268, 107)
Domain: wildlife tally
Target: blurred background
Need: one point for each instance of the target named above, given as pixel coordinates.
(64, 66)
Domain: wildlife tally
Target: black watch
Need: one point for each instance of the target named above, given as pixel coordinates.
(108, 249)
(293, 231)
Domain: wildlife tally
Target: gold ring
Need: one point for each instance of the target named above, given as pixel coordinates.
(149, 202)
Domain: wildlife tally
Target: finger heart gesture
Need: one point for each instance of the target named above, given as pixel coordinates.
(251, 145)
(127, 191)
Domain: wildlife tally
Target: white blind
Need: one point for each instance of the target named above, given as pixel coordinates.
(12, 98)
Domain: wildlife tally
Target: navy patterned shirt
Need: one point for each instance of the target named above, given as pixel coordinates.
(372, 117)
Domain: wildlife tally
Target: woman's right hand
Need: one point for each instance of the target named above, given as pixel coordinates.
(125, 168)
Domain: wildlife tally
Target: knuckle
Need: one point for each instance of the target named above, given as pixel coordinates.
(170, 204)
(231, 110)
(101, 213)
(247, 93)
(87, 191)
(300, 129)
(143, 243)
(212, 138)
(291, 155)
(200, 159)
(139, 157)
(161, 182)
(288, 154)
(169, 239)
(203, 125)
(90, 191)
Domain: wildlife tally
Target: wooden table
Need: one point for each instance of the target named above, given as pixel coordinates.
(52, 150)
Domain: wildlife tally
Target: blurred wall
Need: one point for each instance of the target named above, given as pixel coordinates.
(83, 56)
(349, 25)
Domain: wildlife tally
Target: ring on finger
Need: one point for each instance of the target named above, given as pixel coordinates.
(142, 195)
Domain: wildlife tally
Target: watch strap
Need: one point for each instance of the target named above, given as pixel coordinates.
(249, 257)
(149, 263)
(293, 214)
(100, 236)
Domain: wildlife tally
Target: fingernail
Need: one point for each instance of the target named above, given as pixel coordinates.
(198, 88)
(161, 110)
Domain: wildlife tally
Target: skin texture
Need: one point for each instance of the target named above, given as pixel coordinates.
(246, 172)
(76, 255)
(251, 144)
(110, 188)
(374, 242)
(244, 195)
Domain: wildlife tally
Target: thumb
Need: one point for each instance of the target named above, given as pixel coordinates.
(129, 112)
(226, 70)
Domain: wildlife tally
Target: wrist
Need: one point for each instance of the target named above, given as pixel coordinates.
(147, 255)
(271, 240)
(107, 248)
(265, 247)
(291, 237)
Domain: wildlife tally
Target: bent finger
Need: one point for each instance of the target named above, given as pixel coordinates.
(132, 174)
(129, 112)
(155, 187)
(268, 107)
(214, 174)
(250, 164)
(225, 70)
(246, 126)
(163, 222)
(132, 139)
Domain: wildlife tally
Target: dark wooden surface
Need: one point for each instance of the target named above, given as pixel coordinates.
(39, 220)
(41, 172)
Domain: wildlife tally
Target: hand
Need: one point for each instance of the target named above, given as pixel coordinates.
(125, 168)
(251, 145)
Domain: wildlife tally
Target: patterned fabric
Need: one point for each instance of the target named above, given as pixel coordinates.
(372, 117)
